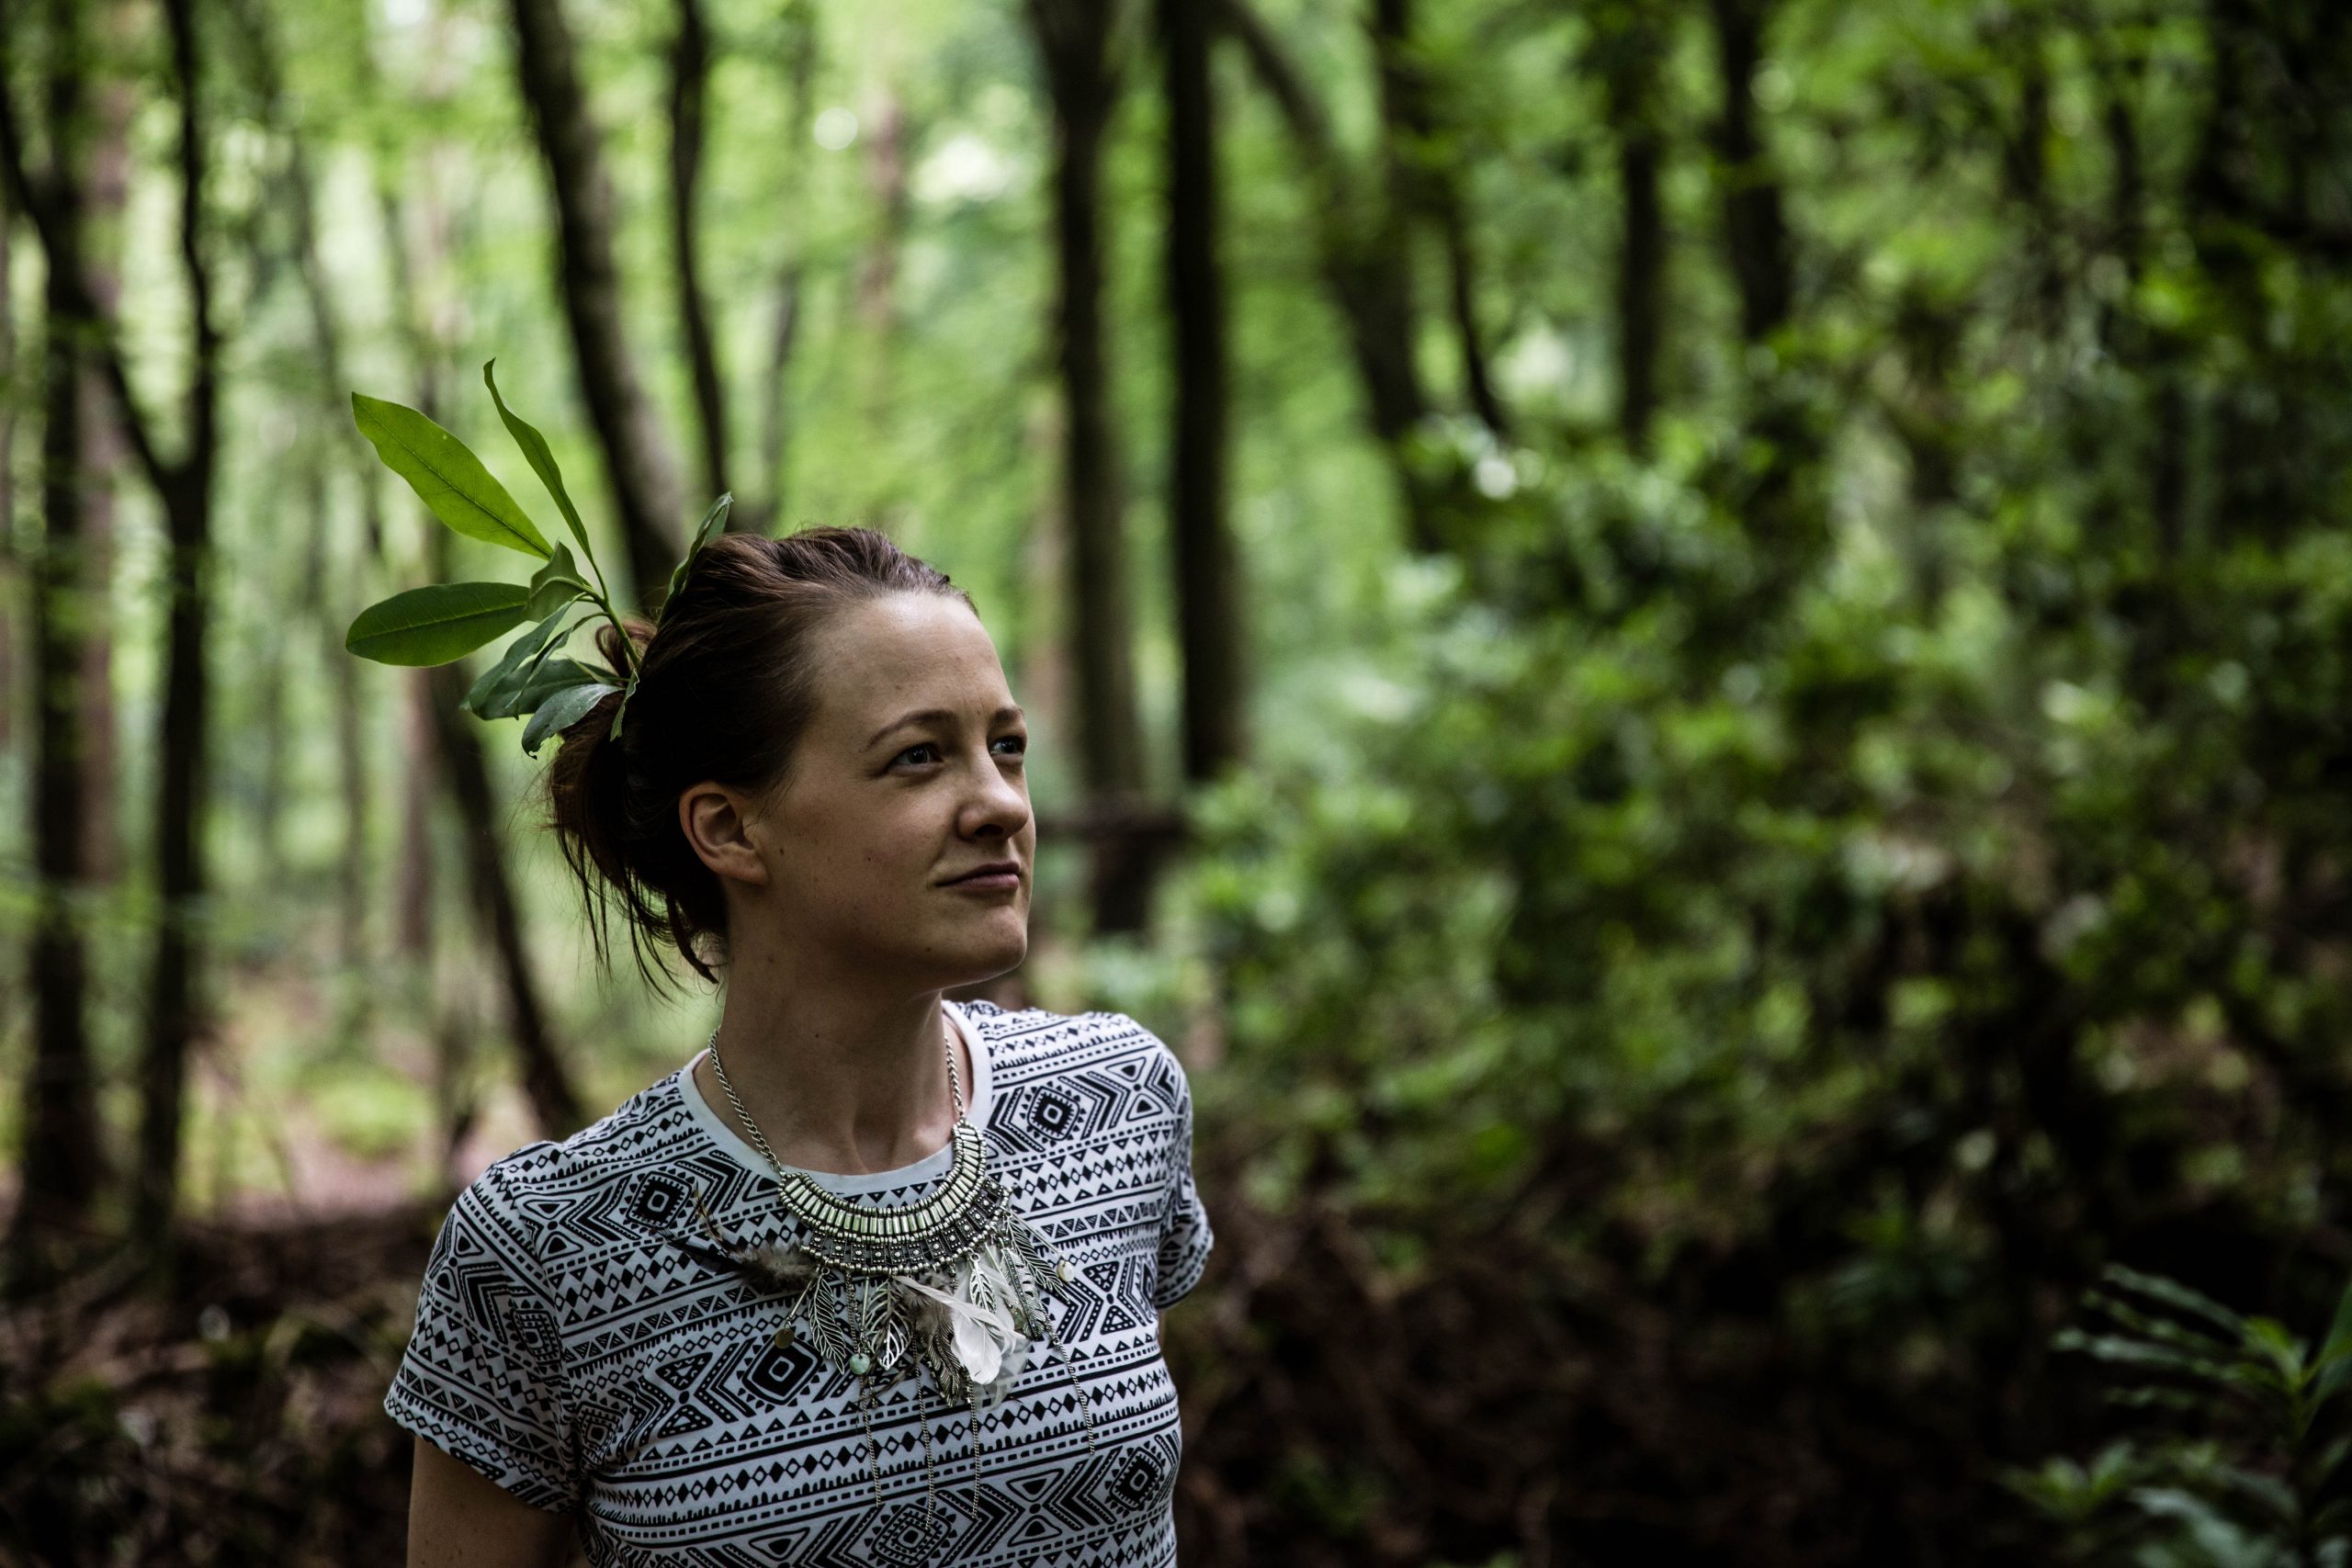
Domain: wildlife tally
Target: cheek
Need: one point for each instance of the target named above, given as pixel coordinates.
(858, 850)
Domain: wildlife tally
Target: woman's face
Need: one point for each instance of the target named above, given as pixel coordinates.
(909, 774)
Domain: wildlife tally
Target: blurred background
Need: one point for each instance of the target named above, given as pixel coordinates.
(1696, 653)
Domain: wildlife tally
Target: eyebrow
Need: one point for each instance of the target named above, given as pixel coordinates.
(943, 716)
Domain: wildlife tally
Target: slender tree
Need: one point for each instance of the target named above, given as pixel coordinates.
(637, 459)
(105, 181)
(1366, 265)
(1418, 158)
(1627, 46)
(798, 57)
(1759, 253)
(690, 54)
(453, 749)
(1208, 600)
(11, 541)
(61, 1166)
(1755, 237)
(1073, 37)
(887, 152)
(174, 1015)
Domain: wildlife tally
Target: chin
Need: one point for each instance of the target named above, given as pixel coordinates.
(1000, 947)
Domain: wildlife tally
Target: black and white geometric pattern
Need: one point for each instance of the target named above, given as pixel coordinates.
(566, 1351)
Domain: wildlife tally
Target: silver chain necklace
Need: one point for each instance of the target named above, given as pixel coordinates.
(954, 1284)
(955, 1087)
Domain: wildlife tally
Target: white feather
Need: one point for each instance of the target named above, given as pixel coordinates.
(988, 1344)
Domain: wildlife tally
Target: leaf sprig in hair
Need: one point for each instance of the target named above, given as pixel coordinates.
(442, 622)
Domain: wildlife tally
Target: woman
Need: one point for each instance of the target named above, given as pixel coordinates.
(661, 1335)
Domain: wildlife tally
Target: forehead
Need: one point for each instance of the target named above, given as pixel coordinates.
(877, 657)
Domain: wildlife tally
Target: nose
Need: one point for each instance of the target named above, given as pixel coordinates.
(997, 804)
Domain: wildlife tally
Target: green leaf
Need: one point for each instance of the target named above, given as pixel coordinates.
(490, 694)
(446, 475)
(555, 676)
(565, 707)
(2115, 1349)
(621, 712)
(2336, 1354)
(713, 521)
(2268, 1491)
(2284, 1350)
(2216, 1537)
(2173, 1293)
(558, 583)
(542, 462)
(435, 624)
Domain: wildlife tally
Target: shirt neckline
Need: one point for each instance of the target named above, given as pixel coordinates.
(932, 1165)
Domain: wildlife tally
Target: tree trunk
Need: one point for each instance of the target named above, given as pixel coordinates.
(1640, 301)
(1073, 41)
(351, 773)
(1208, 601)
(444, 743)
(105, 190)
(1423, 188)
(689, 85)
(1628, 46)
(1365, 268)
(1755, 234)
(1758, 251)
(638, 461)
(12, 547)
(554, 1101)
(2026, 164)
(61, 1164)
(800, 69)
(413, 890)
(175, 1017)
(877, 272)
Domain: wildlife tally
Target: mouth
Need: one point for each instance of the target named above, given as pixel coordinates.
(1000, 875)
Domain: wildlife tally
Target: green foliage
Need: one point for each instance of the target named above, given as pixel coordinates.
(2248, 1471)
(542, 461)
(444, 622)
(446, 476)
(437, 623)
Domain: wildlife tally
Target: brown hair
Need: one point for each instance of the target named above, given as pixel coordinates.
(728, 684)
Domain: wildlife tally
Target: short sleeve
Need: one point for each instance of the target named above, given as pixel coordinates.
(1185, 1234)
(482, 1376)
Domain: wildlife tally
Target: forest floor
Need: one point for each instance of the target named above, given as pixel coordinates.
(234, 1416)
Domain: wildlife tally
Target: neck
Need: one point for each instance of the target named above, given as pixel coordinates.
(838, 1080)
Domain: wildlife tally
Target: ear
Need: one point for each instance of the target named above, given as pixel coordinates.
(718, 823)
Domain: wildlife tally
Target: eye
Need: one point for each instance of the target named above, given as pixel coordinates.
(1020, 742)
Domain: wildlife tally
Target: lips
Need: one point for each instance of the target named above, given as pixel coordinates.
(1001, 868)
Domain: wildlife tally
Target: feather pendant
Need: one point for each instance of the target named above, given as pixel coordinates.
(1035, 1251)
(1031, 1312)
(826, 1325)
(783, 1268)
(890, 1340)
(981, 1290)
(881, 1333)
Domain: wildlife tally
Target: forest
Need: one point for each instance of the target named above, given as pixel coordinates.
(1696, 654)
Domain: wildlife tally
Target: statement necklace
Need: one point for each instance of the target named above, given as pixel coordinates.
(955, 1285)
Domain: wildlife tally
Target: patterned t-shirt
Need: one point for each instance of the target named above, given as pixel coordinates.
(567, 1350)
